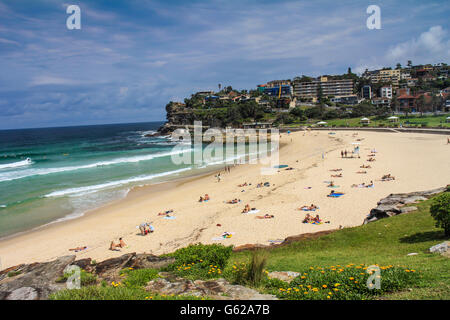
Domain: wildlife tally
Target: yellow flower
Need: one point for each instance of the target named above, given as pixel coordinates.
(324, 286)
(351, 278)
(337, 284)
(328, 297)
(336, 289)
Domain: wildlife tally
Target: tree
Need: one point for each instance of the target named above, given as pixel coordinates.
(435, 102)
(399, 66)
(394, 103)
(440, 211)
(320, 98)
(420, 104)
(349, 71)
(409, 63)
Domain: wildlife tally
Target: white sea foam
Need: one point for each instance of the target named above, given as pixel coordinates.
(17, 164)
(94, 188)
(14, 175)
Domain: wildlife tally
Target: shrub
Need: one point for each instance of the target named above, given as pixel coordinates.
(138, 278)
(341, 283)
(86, 278)
(255, 272)
(251, 273)
(205, 255)
(13, 273)
(440, 211)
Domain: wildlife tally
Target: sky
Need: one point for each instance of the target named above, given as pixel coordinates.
(131, 57)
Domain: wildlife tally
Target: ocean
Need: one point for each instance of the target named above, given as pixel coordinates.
(53, 174)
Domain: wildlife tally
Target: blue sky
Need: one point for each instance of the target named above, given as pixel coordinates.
(132, 56)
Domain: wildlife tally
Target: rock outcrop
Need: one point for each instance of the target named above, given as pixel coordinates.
(219, 289)
(394, 204)
(33, 282)
(38, 280)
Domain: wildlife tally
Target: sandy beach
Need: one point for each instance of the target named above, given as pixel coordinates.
(417, 161)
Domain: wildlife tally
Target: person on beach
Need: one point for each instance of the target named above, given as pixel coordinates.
(115, 247)
(266, 216)
(78, 249)
(311, 207)
(307, 219)
(246, 208)
(331, 184)
(342, 154)
(201, 199)
(336, 175)
(206, 197)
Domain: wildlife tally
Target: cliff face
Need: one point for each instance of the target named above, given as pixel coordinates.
(177, 116)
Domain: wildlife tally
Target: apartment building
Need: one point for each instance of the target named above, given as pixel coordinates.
(386, 92)
(309, 89)
(366, 92)
(386, 75)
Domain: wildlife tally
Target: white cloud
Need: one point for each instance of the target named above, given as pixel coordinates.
(431, 45)
(51, 80)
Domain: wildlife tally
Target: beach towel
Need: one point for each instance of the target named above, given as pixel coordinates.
(306, 209)
(169, 218)
(308, 187)
(252, 211)
(81, 249)
(276, 241)
(335, 195)
(333, 186)
(218, 238)
(281, 166)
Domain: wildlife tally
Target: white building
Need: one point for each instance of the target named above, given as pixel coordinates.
(386, 92)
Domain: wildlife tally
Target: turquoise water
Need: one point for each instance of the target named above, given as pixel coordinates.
(55, 174)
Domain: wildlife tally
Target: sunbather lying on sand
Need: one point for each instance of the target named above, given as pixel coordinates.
(361, 172)
(336, 170)
(165, 213)
(311, 207)
(336, 175)
(371, 159)
(365, 167)
(331, 184)
(266, 216)
(243, 185)
(387, 177)
(78, 249)
(233, 201)
(361, 185)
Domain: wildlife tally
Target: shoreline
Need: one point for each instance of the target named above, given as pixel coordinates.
(403, 155)
(135, 191)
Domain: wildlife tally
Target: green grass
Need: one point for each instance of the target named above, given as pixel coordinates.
(113, 293)
(385, 242)
(139, 277)
(410, 121)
